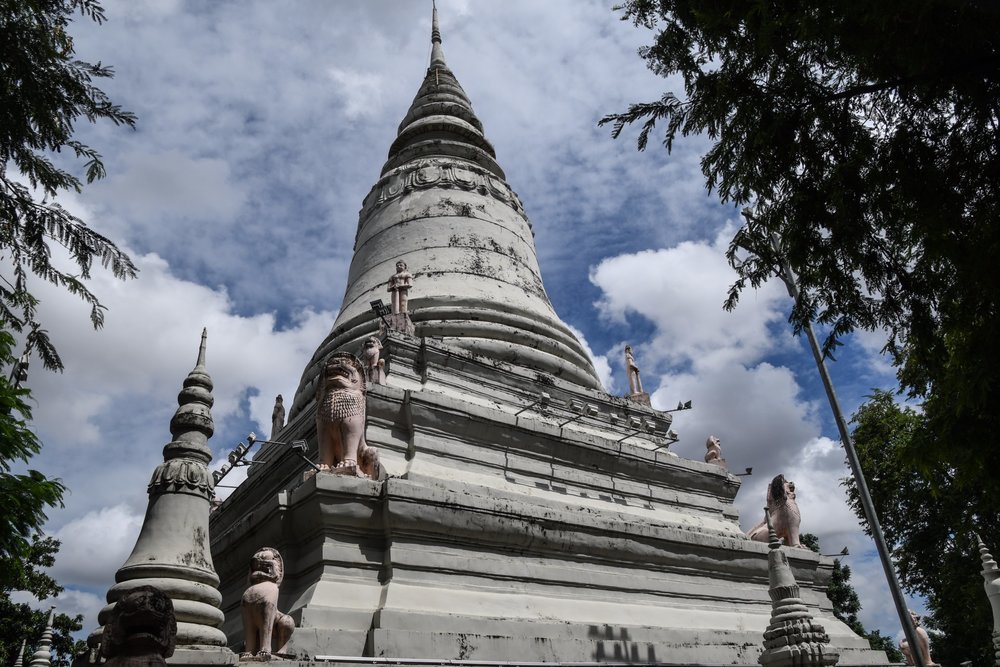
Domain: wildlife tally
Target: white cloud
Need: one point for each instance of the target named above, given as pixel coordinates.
(681, 290)
(600, 361)
(96, 544)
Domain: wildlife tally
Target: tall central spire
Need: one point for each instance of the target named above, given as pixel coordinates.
(443, 207)
(440, 120)
(437, 54)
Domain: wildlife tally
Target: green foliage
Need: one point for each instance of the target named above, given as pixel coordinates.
(44, 90)
(20, 621)
(847, 604)
(866, 138)
(928, 519)
(23, 496)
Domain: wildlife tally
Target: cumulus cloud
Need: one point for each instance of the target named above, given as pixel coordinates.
(96, 544)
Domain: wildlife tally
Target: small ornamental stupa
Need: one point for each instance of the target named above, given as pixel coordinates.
(793, 638)
(43, 654)
(172, 550)
(991, 582)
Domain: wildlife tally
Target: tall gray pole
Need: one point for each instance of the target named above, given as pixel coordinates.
(788, 276)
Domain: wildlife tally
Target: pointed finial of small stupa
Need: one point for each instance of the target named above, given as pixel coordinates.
(792, 637)
(172, 551)
(20, 654)
(192, 423)
(991, 582)
(437, 54)
(42, 656)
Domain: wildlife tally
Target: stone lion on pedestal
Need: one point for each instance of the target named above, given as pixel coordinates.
(340, 419)
(784, 513)
(142, 631)
(263, 624)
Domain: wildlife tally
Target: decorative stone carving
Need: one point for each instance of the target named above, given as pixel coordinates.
(399, 287)
(792, 638)
(784, 512)
(923, 641)
(264, 626)
(142, 631)
(374, 365)
(181, 476)
(991, 582)
(277, 415)
(441, 173)
(713, 451)
(340, 419)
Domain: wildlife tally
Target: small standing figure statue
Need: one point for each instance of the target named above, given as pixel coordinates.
(713, 452)
(277, 415)
(399, 286)
(373, 364)
(634, 383)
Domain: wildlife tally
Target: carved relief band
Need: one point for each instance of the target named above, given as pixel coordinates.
(424, 174)
(182, 475)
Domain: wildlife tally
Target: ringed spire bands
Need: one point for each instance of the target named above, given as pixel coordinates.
(442, 205)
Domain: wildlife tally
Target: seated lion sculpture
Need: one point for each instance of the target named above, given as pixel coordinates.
(340, 419)
(784, 513)
(142, 631)
(263, 624)
(923, 644)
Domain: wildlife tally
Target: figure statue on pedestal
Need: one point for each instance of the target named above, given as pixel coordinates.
(399, 286)
(374, 365)
(784, 513)
(923, 642)
(713, 453)
(634, 383)
(277, 415)
(263, 624)
(340, 419)
(632, 369)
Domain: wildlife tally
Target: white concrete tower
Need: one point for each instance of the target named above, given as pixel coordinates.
(443, 206)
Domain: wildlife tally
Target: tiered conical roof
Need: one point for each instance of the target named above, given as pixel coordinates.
(442, 206)
(441, 120)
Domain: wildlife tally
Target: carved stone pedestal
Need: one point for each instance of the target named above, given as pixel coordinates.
(640, 397)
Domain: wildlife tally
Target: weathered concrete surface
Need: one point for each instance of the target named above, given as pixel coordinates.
(523, 514)
(504, 536)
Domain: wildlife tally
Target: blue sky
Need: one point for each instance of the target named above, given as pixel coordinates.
(262, 126)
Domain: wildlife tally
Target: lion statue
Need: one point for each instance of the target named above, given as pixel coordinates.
(923, 642)
(262, 622)
(713, 451)
(142, 631)
(784, 513)
(373, 364)
(340, 419)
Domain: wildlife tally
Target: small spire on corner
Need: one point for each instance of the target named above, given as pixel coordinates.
(437, 53)
(201, 348)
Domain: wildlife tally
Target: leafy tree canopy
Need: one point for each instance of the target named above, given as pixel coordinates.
(928, 522)
(44, 90)
(23, 496)
(20, 621)
(866, 138)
